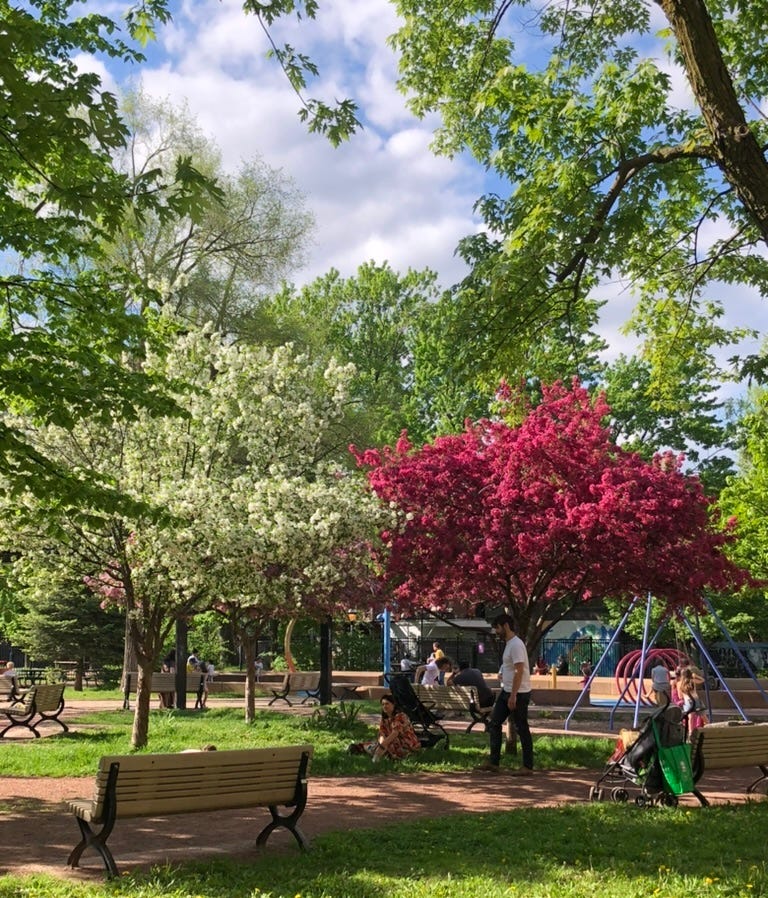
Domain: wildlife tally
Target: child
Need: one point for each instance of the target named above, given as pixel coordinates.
(693, 709)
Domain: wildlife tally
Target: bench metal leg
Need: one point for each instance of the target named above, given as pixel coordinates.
(703, 801)
(54, 717)
(510, 743)
(290, 821)
(98, 840)
(478, 718)
(20, 722)
(761, 780)
(311, 693)
(280, 695)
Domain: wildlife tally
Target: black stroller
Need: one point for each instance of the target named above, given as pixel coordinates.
(652, 763)
(426, 723)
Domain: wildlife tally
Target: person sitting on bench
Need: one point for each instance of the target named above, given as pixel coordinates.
(470, 676)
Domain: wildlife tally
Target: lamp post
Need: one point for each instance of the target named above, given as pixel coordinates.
(387, 646)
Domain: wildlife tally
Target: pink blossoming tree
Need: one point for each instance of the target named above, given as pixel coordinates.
(542, 516)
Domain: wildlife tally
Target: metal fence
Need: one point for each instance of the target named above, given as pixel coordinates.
(574, 652)
(365, 652)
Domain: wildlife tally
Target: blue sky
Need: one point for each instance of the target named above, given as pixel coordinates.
(383, 196)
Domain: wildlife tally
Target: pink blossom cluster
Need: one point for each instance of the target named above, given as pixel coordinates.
(544, 515)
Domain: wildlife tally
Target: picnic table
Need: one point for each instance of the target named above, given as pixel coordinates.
(31, 676)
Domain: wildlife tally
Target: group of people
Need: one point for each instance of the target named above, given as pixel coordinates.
(193, 665)
(396, 737)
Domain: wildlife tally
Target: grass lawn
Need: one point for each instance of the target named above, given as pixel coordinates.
(601, 850)
(108, 732)
(580, 851)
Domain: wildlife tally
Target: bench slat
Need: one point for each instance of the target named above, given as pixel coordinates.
(736, 744)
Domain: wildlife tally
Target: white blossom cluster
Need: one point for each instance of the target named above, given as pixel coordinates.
(240, 507)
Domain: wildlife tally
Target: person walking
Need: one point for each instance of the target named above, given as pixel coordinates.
(514, 698)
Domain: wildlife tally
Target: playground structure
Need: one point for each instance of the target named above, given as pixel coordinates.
(633, 668)
(633, 672)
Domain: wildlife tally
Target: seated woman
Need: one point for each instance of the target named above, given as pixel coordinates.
(397, 738)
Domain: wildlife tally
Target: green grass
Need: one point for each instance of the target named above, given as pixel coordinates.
(580, 851)
(109, 732)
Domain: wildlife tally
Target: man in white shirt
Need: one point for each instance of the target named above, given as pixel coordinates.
(513, 699)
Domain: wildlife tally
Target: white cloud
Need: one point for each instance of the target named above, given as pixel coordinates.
(382, 196)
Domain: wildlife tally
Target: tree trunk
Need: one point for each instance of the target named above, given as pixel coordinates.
(79, 671)
(140, 733)
(736, 150)
(249, 644)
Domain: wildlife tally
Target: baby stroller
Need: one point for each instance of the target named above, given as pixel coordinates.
(652, 763)
(426, 723)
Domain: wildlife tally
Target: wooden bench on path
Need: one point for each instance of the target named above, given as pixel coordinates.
(156, 785)
(165, 683)
(296, 682)
(35, 706)
(454, 700)
(719, 746)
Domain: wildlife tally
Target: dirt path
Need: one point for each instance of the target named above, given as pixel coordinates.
(34, 820)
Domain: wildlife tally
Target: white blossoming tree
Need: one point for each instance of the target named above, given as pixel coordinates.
(236, 507)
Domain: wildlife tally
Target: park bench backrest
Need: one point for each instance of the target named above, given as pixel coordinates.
(448, 698)
(48, 697)
(730, 744)
(164, 682)
(301, 681)
(7, 688)
(158, 784)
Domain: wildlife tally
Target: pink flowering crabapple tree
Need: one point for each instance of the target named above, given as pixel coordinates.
(544, 515)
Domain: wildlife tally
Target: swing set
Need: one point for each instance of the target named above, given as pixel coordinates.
(635, 666)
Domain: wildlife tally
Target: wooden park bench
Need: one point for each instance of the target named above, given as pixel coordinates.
(163, 682)
(307, 682)
(460, 700)
(719, 746)
(193, 782)
(37, 705)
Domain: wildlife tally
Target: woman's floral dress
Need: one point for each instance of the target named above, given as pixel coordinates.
(405, 740)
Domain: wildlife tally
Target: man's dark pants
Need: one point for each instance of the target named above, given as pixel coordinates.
(520, 717)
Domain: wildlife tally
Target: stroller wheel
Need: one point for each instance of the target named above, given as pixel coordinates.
(620, 795)
(642, 801)
(669, 800)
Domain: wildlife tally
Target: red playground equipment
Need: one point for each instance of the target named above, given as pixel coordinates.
(628, 673)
